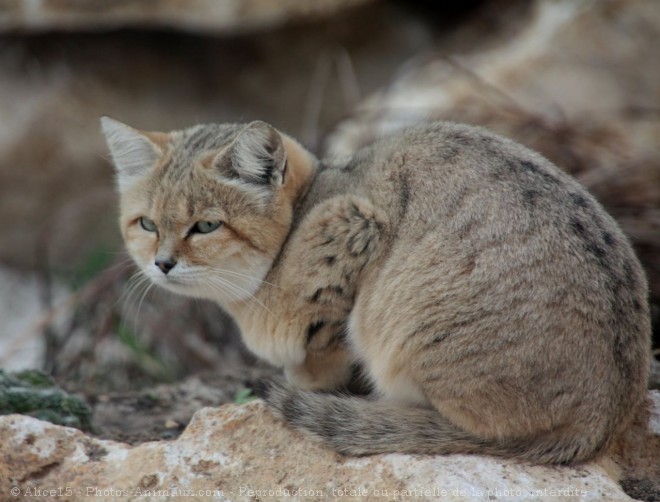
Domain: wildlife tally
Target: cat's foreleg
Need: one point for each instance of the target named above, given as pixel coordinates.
(326, 258)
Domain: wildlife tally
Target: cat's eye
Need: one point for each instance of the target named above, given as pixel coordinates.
(148, 224)
(204, 227)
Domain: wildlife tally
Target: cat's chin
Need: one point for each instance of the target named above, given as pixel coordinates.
(191, 290)
(176, 286)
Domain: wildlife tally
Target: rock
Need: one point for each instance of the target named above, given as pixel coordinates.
(23, 314)
(654, 375)
(244, 453)
(566, 61)
(33, 393)
(199, 15)
(163, 411)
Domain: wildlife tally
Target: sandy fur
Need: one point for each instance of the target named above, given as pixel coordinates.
(492, 303)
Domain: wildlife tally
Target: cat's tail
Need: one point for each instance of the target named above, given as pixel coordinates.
(358, 426)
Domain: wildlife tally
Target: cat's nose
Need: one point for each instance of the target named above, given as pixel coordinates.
(166, 265)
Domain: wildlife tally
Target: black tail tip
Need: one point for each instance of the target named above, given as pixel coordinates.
(268, 388)
(260, 388)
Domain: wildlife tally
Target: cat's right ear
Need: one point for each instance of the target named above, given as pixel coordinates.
(258, 155)
(133, 152)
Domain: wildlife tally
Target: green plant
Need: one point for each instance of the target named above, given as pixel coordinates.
(244, 396)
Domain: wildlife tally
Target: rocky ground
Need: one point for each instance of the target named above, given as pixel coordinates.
(243, 453)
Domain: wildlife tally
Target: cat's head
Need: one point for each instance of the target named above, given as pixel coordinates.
(204, 211)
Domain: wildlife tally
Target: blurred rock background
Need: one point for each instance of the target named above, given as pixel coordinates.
(574, 79)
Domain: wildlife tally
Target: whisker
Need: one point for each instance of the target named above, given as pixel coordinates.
(149, 287)
(249, 297)
(222, 287)
(139, 287)
(239, 274)
(134, 290)
(132, 285)
(140, 284)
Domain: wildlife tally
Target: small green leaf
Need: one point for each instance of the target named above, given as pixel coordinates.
(244, 396)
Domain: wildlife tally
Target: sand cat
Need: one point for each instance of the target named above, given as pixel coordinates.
(492, 303)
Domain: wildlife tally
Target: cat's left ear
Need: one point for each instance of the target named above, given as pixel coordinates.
(133, 152)
(258, 154)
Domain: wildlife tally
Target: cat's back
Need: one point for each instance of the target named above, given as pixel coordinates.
(469, 184)
(459, 197)
(453, 190)
(493, 254)
(434, 171)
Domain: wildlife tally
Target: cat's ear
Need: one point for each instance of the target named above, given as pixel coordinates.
(258, 154)
(133, 152)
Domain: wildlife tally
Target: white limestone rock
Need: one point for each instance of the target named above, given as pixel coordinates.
(210, 16)
(244, 453)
